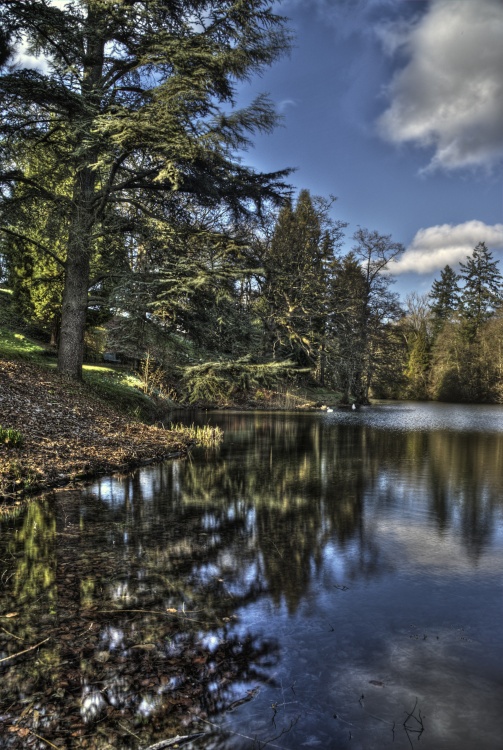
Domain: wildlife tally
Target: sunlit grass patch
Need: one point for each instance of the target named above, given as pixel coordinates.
(120, 387)
(18, 346)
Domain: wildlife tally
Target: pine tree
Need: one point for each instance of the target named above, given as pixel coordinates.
(296, 267)
(482, 291)
(134, 99)
(444, 296)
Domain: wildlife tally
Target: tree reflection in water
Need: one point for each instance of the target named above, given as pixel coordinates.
(140, 581)
(141, 629)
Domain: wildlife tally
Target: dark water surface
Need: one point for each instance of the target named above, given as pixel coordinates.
(320, 580)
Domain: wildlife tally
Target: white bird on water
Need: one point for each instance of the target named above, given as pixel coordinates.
(329, 409)
(353, 407)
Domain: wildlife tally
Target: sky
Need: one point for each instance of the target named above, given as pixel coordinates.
(396, 108)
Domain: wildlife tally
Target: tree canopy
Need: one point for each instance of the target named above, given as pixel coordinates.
(136, 101)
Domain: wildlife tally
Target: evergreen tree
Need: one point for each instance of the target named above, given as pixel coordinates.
(482, 291)
(296, 267)
(133, 98)
(188, 286)
(444, 296)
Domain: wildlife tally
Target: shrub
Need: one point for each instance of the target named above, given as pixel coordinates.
(219, 382)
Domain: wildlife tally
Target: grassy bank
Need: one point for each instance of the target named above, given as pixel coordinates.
(54, 432)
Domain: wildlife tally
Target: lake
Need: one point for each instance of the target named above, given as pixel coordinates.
(330, 580)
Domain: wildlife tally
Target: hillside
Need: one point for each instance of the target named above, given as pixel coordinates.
(68, 433)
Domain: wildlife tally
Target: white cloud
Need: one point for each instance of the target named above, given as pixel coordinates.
(24, 59)
(435, 247)
(449, 95)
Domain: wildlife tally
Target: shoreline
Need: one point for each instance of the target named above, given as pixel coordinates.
(72, 436)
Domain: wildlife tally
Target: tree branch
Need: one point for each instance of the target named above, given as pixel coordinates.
(39, 245)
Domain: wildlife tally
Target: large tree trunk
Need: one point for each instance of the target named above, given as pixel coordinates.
(77, 272)
(83, 219)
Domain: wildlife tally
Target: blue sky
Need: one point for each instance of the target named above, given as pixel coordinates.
(395, 107)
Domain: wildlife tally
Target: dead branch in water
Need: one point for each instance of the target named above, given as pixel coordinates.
(417, 728)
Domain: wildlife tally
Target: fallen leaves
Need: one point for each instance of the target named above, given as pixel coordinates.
(68, 433)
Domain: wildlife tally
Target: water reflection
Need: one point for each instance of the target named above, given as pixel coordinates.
(316, 574)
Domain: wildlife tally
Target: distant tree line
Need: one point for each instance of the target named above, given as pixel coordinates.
(454, 335)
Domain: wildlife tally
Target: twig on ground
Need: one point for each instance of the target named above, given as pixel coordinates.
(129, 731)
(270, 742)
(25, 651)
(175, 741)
(12, 634)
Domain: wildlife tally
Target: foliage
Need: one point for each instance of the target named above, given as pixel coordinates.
(346, 326)
(224, 381)
(33, 240)
(444, 296)
(451, 364)
(417, 329)
(364, 309)
(481, 293)
(296, 264)
(135, 102)
(451, 336)
(193, 296)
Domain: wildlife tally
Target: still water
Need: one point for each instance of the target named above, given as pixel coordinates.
(330, 580)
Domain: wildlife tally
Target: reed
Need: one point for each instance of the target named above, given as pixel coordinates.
(205, 436)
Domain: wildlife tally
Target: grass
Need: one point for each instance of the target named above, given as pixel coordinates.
(121, 387)
(11, 438)
(205, 436)
(18, 346)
